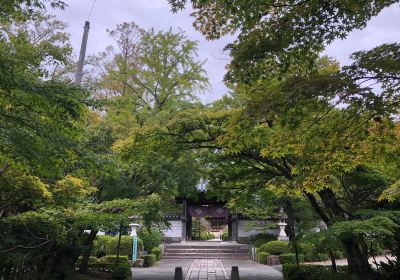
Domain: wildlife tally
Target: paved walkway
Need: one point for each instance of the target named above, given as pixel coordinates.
(207, 269)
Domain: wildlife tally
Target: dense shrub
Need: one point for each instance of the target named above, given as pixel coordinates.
(320, 257)
(339, 254)
(390, 270)
(108, 263)
(100, 245)
(313, 272)
(262, 257)
(156, 251)
(151, 238)
(122, 271)
(306, 248)
(149, 260)
(93, 261)
(225, 236)
(290, 258)
(206, 236)
(261, 238)
(111, 259)
(125, 246)
(275, 247)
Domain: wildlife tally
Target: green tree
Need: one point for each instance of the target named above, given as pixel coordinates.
(275, 36)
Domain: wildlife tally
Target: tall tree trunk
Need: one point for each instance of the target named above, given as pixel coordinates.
(87, 249)
(333, 260)
(290, 220)
(357, 255)
(357, 258)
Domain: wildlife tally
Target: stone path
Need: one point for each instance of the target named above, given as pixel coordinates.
(203, 269)
(207, 269)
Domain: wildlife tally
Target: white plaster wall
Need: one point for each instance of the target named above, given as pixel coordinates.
(175, 230)
(245, 228)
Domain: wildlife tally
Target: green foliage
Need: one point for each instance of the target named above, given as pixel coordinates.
(151, 238)
(307, 248)
(24, 9)
(392, 193)
(111, 259)
(92, 261)
(259, 51)
(290, 258)
(261, 238)
(149, 260)
(275, 247)
(225, 236)
(125, 246)
(157, 251)
(100, 244)
(121, 272)
(314, 272)
(200, 230)
(262, 257)
(118, 272)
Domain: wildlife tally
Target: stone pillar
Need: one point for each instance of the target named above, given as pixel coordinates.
(184, 220)
(234, 231)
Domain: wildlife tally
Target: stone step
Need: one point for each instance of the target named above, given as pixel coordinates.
(231, 247)
(196, 250)
(205, 256)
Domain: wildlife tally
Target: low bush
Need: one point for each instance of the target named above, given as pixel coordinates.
(122, 271)
(290, 258)
(108, 263)
(151, 238)
(149, 260)
(206, 236)
(314, 272)
(262, 257)
(99, 247)
(125, 246)
(261, 238)
(275, 247)
(156, 251)
(111, 259)
(320, 257)
(225, 236)
(339, 254)
(306, 248)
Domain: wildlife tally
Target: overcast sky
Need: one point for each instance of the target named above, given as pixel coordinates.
(384, 28)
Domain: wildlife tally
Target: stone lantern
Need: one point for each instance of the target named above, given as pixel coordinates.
(282, 224)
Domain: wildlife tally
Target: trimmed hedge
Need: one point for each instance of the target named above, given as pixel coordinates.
(307, 248)
(225, 236)
(151, 238)
(157, 251)
(262, 257)
(125, 246)
(111, 259)
(276, 247)
(314, 272)
(149, 260)
(261, 238)
(290, 258)
(122, 271)
(107, 263)
(100, 245)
